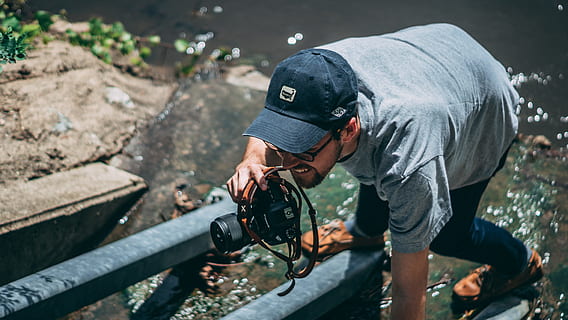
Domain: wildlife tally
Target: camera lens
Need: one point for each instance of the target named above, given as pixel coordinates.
(227, 233)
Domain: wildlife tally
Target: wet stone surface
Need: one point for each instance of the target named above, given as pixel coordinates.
(193, 145)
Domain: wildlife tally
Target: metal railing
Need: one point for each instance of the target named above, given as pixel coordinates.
(83, 280)
(329, 284)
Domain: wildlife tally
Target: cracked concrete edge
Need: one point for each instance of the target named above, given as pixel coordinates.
(25, 203)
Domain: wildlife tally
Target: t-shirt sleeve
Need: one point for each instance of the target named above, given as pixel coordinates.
(419, 206)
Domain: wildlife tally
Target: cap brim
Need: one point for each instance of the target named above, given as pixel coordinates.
(288, 134)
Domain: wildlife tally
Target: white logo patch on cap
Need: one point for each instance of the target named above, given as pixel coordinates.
(338, 112)
(287, 93)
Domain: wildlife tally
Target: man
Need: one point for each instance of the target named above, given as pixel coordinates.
(423, 118)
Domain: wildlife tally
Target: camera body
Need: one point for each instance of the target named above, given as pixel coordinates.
(273, 215)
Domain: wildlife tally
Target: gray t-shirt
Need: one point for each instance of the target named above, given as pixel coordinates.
(437, 114)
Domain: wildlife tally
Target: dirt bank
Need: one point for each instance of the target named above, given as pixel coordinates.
(62, 107)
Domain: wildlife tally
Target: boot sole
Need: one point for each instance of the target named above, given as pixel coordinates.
(467, 304)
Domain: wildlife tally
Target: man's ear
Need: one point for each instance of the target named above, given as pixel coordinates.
(350, 130)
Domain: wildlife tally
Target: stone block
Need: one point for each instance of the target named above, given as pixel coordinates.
(56, 217)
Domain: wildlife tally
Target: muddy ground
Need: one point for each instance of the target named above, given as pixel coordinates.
(62, 107)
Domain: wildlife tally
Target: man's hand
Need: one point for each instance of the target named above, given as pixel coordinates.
(245, 171)
(409, 278)
(255, 159)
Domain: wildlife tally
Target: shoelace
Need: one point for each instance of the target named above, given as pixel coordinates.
(484, 278)
(329, 229)
(489, 278)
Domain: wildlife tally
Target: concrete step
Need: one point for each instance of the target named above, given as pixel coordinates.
(53, 218)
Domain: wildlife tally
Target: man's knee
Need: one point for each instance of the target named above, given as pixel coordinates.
(447, 243)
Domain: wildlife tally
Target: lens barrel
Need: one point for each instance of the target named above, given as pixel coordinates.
(227, 233)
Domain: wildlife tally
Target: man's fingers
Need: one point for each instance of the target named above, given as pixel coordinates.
(250, 167)
(260, 179)
(231, 186)
(238, 182)
(236, 186)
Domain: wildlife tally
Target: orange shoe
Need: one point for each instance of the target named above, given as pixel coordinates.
(334, 238)
(485, 283)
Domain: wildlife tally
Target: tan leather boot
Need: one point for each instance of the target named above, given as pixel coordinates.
(334, 238)
(485, 283)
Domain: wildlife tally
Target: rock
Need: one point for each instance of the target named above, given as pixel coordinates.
(63, 125)
(114, 95)
(246, 76)
(71, 211)
(61, 26)
(541, 142)
(508, 308)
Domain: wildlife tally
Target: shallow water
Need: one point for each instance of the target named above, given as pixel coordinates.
(528, 197)
(187, 146)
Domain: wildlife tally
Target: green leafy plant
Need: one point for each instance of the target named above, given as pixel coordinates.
(12, 48)
(194, 50)
(10, 18)
(15, 36)
(101, 39)
(44, 20)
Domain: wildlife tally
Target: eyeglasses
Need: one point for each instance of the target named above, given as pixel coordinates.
(308, 156)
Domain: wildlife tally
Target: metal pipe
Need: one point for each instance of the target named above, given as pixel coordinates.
(83, 280)
(329, 284)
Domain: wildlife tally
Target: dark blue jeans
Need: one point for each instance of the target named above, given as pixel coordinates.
(465, 236)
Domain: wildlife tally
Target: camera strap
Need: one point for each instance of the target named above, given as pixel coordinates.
(294, 246)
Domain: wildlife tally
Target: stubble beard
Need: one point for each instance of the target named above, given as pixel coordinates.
(316, 177)
(315, 180)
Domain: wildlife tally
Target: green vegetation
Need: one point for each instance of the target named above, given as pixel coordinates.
(13, 35)
(12, 48)
(16, 35)
(103, 39)
(194, 50)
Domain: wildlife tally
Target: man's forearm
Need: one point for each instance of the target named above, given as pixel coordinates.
(408, 307)
(410, 276)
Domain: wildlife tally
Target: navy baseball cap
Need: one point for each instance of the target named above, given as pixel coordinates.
(310, 93)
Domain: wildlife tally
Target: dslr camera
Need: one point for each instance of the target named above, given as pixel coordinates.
(272, 216)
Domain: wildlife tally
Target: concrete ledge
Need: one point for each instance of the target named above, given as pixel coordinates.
(329, 284)
(48, 220)
(80, 281)
(30, 202)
